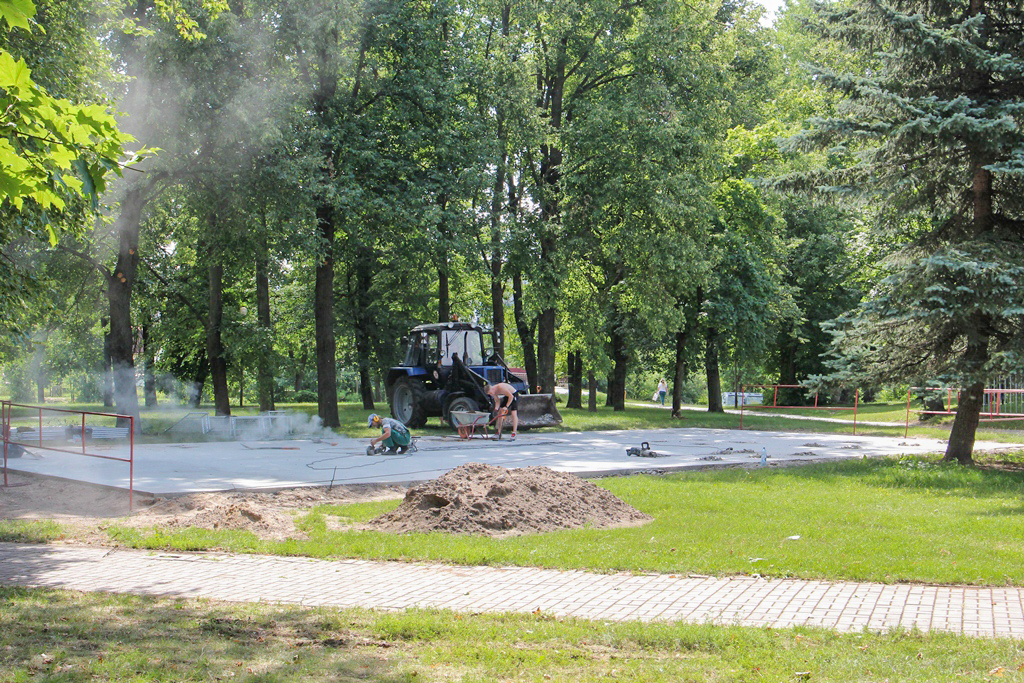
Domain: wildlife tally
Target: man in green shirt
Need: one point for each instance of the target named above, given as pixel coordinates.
(394, 435)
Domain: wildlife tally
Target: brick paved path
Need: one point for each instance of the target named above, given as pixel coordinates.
(986, 612)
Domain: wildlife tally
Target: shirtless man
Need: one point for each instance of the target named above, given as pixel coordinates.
(506, 402)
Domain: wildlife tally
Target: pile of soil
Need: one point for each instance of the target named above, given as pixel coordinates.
(485, 499)
(471, 499)
(267, 515)
(234, 513)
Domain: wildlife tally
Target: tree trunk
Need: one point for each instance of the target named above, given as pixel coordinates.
(37, 373)
(323, 314)
(681, 373)
(498, 304)
(960, 447)
(788, 347)
(525, 332)
(575, 398)
(713, 373)
(444, 303)
(264, 359)
(546, 351)
(108, 374)
(620, 360)
(214, 341)
(496, 260)
(149, 378)
(552, 93)
(592, 393)
(298, 369)
(199, 382)
(965, 425)
(363, 322)
(119, 297)
(968, 411)
(444, 307)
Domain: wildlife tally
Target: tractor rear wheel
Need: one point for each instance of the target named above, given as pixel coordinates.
(407, 406)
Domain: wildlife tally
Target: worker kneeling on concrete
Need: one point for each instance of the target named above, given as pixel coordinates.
(394, 436)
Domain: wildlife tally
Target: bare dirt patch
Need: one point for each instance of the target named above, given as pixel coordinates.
(485, 499)
(471, 499)
(86, 507)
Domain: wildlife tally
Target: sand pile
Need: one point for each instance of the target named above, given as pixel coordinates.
(237, 516)
(485, 499)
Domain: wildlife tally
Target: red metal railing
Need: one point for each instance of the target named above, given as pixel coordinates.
(994, 398)
(775, 401)
(6, 408)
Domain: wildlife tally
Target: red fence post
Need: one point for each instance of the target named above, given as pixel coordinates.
(856, 404)
(131, 460)
(6, 415)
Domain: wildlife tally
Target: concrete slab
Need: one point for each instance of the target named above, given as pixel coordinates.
(169, 469)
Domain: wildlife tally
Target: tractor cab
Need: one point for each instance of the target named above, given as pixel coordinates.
(433, 349)
(436, 347)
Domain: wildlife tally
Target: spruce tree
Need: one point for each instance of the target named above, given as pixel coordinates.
(929, 132)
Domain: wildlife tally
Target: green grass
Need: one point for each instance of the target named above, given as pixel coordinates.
(48, 635)
(873, 412)
(31, 531)
(890, 520)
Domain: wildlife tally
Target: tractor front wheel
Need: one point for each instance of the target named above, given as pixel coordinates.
(407, 402)
(459, 403)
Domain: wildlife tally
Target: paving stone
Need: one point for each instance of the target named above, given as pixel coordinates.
(844, 606)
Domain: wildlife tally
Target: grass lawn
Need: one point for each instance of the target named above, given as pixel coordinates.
(892, 520)
(48, 635)
(895, 520)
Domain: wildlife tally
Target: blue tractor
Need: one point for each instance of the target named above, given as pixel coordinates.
(445, 368)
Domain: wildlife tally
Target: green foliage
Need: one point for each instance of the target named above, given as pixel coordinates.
(942, 292)
(929, 131)
(51, 148)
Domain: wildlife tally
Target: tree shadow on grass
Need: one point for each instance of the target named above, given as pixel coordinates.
(119, 637)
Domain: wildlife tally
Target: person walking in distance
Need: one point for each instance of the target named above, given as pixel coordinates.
(662, 390)
(506, 403)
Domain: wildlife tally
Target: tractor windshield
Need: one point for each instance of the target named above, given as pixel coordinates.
(466, 343)
(474, 349)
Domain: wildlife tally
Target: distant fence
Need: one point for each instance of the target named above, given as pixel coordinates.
(999, 404)
(63, 426)
(772, 391)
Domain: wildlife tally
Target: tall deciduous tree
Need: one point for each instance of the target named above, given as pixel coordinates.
(932, 133)
(581, 49)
